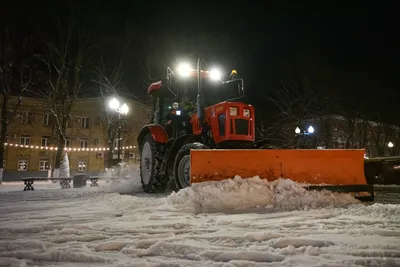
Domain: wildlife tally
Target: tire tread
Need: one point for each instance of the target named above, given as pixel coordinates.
(157, 183)
(184, 150)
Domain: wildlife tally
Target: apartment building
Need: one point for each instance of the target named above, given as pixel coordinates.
(30, 146)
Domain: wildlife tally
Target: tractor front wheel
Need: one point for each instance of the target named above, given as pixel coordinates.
(150, 163)
(181, 171)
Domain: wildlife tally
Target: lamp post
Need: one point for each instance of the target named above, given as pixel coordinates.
(123, 109)
(391, 147)
(310, 130)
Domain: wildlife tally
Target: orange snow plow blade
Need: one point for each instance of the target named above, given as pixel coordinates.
(336, 170)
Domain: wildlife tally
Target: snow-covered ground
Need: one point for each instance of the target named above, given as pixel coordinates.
(248, 222)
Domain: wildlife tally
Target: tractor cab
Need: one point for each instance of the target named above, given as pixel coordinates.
(175, 98)
(168, 110)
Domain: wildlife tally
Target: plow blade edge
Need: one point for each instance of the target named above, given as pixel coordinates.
(338, 170)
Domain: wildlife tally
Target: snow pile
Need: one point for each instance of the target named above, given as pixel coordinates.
(89, 227)
(125, 186)
(254, 193)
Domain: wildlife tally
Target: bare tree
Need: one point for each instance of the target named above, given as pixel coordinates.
(109, 78)
(362, 134)
(351, 119)
(297, 102)
(381, 134)
(14, 80)
(156, 56)
(325, 132)
(62, 79)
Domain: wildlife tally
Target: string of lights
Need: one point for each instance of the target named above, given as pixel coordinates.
(67, 148)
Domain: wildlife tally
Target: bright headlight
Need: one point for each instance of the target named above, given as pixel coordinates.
(215, 74)
(184, 69)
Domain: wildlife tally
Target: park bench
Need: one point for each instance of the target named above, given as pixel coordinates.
(94, 179)
(65, 182)
(29, 181)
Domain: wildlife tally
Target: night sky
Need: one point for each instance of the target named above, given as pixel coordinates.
(351, 49)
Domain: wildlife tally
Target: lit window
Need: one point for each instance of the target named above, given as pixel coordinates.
(45, 141)
(82, 166)
(25, 140)
(22, 165)
(46, 119)
(84, 143)
(85, 122)
(43, 165)
(67, 143)
(26, 117)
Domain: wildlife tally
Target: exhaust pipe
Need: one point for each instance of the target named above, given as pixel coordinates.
(200, 95)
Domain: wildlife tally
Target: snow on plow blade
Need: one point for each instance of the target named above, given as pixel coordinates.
(335, 170)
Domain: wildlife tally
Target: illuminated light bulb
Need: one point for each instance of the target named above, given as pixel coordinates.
(215, 74)
(184, 69)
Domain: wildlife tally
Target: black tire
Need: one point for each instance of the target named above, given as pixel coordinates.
(151, 156)
(182, 164)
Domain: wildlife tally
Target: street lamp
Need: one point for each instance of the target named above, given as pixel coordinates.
(391, 148)
(114, 104)
(310, 131)
(123, 109)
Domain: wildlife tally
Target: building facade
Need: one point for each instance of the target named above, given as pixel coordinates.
(30, 148)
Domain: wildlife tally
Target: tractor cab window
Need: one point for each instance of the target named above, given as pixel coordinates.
(215, 93)
(167, 107)
(155, 118)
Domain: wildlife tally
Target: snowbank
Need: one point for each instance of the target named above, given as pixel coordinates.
(128, 186)
(91, 227)
(254, 194)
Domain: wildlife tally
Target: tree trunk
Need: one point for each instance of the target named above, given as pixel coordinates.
(57, 162)
(351, 129)
(3, 134)
(110, 155)
(111, 133)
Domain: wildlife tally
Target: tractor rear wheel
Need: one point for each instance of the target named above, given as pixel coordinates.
(150, 162)
(182, 164)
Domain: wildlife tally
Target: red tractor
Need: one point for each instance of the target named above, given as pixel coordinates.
(217, 141)
(165, 143)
